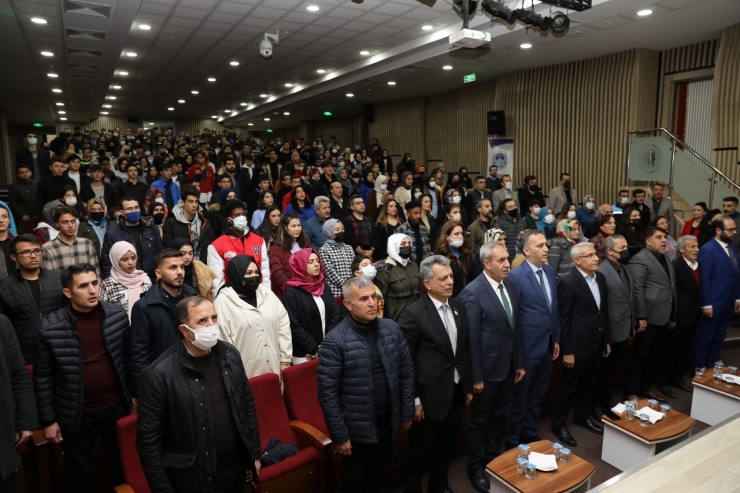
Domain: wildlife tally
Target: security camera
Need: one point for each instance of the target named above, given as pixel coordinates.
(266, 45)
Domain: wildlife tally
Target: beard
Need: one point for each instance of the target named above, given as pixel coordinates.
(724, 238)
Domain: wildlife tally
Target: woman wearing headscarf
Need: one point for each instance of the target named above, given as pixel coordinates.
(125, 284)
(253, 319)
(46, 229)
(546, 222)
(398, 278)
(586, 213)
(310, 305)
(197, 274)
(348, 185)
(96, 225)
(337, 256)
(375, 198)
(559, 257)
(12, 228)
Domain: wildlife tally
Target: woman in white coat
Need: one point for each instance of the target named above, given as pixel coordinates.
(253, 319)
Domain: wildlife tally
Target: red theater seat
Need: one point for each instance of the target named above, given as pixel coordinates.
(132, 471)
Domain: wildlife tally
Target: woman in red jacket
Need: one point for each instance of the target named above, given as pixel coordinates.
(693, 227)
(290, 238)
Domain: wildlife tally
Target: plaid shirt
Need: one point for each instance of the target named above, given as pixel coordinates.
(358, 232)
(407, 230)
(58, 255)
(599, 242)
(112, 291)
(337, 259)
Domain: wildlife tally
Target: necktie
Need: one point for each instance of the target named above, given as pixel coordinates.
(625, 280)
(507, 307)
(544, 289)
(732, 257)
(452, 332)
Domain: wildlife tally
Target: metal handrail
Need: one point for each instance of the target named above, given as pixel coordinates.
(689, 149)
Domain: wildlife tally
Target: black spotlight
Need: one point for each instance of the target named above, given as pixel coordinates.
(499, 10)
(534, 19)
(560, 23)
(472, 5)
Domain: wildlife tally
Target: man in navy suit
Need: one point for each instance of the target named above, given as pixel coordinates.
(584, 339)
(720, 291)
(495, 333)
(536, 285)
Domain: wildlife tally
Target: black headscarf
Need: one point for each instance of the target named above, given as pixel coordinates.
(235, 271)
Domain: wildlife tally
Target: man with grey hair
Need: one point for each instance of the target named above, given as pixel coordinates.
(436, 330)
(492, 306)
(366, 388)
(313, 226)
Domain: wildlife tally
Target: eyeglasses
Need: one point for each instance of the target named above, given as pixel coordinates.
(30, 253)
(590, 255)
(729, 229)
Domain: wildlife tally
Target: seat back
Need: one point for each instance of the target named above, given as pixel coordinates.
(132, 470)
(271, 413)
(338, 301)
(301, 395)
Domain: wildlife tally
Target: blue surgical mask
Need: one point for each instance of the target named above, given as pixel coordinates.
(133, 217)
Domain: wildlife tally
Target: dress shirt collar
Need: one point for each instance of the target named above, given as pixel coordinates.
(494, 283)
(534, 267)
(694, 265)
(437, 304)
(722, 244)
(586, 276)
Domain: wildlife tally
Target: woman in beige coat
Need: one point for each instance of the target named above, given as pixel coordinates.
(253, 319)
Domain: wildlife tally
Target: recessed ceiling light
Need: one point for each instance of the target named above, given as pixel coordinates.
(211, 79)
(250, 124)
(350, 95)
(447, 67)
(286, 113)
(391, 83)
(145, 27)
(47, 53)
(62, 112)
(194, 92)
(60, 104)
(263, 95)
(313, 8)
(63, 119)
(112, 97)
(107, 106)
(525, 46)
(234, 63)
(643, 13)
(116, 87)
(122, 73)
(38, 20)
(364, 52)
(214, 116)
(427, 27)
(181, 101)
(243, 104)
(288, 84)
(56, 90)
(321, 71)
(170, 109)
(267, 119)
(227, 111)
(131, 54)
(53, 76)
(151, 123)
(103, 112)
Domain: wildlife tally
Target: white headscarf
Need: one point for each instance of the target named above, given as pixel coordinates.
(394, 245)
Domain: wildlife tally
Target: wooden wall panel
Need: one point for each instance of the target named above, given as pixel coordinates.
(691, 57)
(470, 127)
(441, 141)
(399, 127)
(346, 130)
(726, 104)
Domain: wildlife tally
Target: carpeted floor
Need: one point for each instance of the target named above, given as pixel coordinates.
(589, 445)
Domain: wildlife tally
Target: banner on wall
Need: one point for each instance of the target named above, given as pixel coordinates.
(501, 153)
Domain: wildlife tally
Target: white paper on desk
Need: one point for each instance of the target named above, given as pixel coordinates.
(543, 462)
(619, 408)
(653, 416)
(735, 378)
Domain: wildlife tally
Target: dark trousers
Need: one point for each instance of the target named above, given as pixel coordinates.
(431, 441)
(485, 427)
(78, 448)
(646, 348)
(368, 468)
(605, 388)
(233, 477)
(575, 386)
(8, 485)
(710, 336)
(523, 414)
(676, 350)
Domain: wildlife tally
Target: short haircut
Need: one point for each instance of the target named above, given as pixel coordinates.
(412, 204)
(95, 167)
(427, 266)
(165, 254)
(719, 223)
(480, 202)
(637, 191)
(231, 205)
(682, 241)
(261, 178)
(658, 184)
(652, 230)
(72, 157)
(65, 209)
(524, 240)
(624, 190)
(190, 192)
(577, 249)
(354, 282)
(129, 198)
(320, 200)
(70, 272)
(56, 159)
(25, 238)
(730, 199)
(480, 177)
(609, 241)
(532, 203)
(564, 173)
(182, 309)
(605, 218)
(202, 154)
(353, 198)
(355, 262)
(486, 250)
(167, 165)
(131, 164)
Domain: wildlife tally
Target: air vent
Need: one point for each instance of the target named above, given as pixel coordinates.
(85, 53)
(86, 8)
(85, 34)
(77, 78)
(82, 68)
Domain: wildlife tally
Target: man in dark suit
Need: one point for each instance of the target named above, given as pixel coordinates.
(536, 285)
(720, 291)
(495, 332)
(620, 289)
(655, 307)
(584, 339)
(678, 341)
(437, 335)
(638, 203)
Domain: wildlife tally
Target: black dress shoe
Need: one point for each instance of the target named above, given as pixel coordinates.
(649, 394)
(479, 481)
(590, 425)
(564, 436)
(680, 384)
(666, 391)
(508, 445)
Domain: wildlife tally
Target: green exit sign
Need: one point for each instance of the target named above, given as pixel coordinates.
(469, 78)
(269, 130)
(38, 125)
(327, 113)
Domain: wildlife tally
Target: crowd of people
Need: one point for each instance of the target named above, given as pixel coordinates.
(140, 267)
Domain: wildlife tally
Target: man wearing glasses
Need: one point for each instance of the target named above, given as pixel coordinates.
(29, 293)
(137, 229)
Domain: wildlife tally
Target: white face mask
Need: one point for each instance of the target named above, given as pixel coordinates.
(159, 200)
(417, 195)
(536, 211)
(549, 219)
(71, 201)
(383, 186)
(589, 205)
(205, 337)
(432, 184)
(32, 141)
(571, 214)
(456, 217)
(457, 242)
(240, 223)
(455, 199)
(624, 200)
(147, 153)
(369, 271)
(507, 185)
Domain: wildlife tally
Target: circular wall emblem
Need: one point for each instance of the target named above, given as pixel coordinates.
(649, 158)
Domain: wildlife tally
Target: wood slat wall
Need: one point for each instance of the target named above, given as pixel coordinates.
(181, 125)
(400, 126)
(691, 57)
(726, 104)
(344, 129)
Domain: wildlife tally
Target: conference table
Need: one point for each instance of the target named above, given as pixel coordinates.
(713, 402)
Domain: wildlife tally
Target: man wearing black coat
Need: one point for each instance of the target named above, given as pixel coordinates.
(17, 406)
(51, 186)
(436, 332)
(209, 441)
(33, 156)
(80, 368)
(584, 342)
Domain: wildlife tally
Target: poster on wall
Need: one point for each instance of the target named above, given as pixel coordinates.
(501, 153)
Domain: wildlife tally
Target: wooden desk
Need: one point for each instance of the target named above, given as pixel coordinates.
(627, 443)
(574, 476)
(713, 402)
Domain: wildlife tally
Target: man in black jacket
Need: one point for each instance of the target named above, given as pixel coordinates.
(80, 367)
(34, 157)
(22, 198)
(18, 406)
(210, 440)
(186, 222)
(153, 322)
(29, 293)
(363, 418)
(51, 186)
(133, 187)
(436, 331)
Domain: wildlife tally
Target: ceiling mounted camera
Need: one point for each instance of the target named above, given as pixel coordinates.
(266, 44)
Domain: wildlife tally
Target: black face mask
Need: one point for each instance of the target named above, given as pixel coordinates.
(534, 188)
(97, 216)
(513, 213)
(251, 283)
(635, 222)
(339, 237)
(158, 218)
(624, 256)
(404, 252)
(566, 184)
